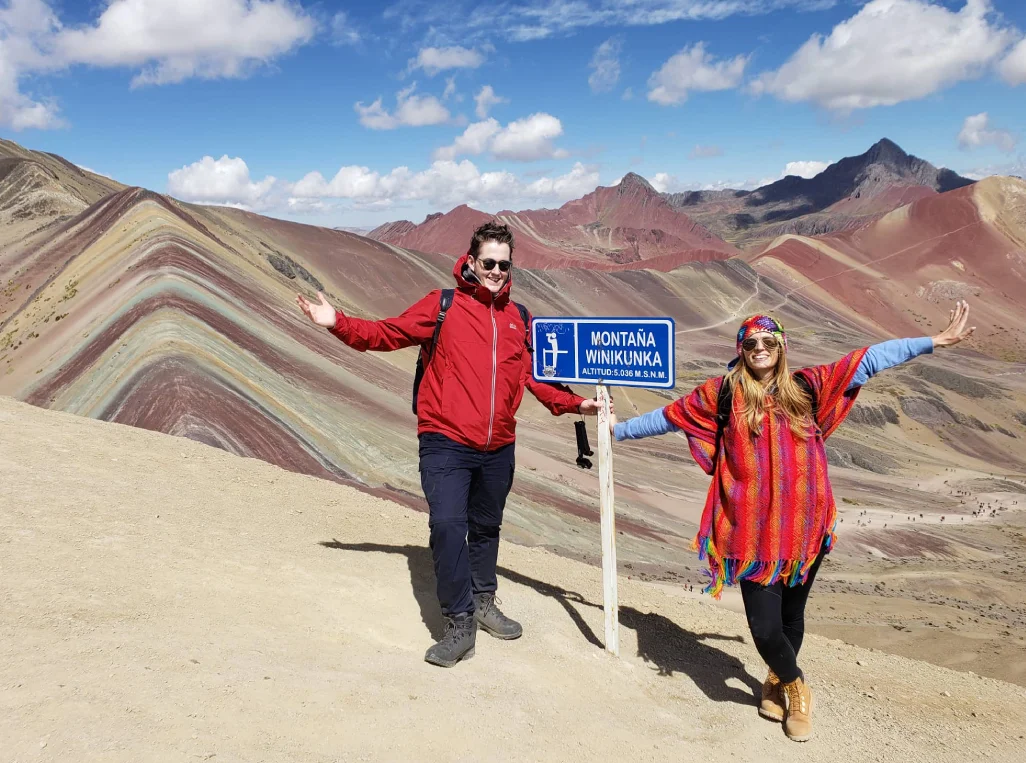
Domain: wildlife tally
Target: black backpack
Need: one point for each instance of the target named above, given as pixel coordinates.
(428, 350)
(725, 405)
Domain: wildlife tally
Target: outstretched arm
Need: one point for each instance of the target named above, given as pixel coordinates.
(694, 415)
(835, 385)
(415, 326)
(886, 355)
(648, 425)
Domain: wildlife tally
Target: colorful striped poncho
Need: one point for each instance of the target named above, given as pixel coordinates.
(770, 508)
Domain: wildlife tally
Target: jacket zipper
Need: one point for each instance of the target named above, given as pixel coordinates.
(495, 350)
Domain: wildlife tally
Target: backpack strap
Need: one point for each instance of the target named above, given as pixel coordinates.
(428, 349)
(444, 303)
(803, 382)
(526, 318)
(725, 406)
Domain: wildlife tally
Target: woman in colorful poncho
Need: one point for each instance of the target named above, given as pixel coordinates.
(769, 516)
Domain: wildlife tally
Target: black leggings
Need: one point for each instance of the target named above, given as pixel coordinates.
(776, 617)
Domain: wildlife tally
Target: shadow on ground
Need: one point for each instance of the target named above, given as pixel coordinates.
(662, 643)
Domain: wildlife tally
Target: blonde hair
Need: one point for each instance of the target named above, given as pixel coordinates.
(790, 399)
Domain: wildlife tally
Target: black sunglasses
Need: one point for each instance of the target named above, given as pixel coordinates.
(489, 264)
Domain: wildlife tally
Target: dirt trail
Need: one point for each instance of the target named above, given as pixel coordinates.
(161, 600)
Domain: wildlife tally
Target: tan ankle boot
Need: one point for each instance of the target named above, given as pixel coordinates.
(772, 704)
(798, 724)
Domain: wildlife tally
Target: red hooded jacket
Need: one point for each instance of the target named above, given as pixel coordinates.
(475, 381)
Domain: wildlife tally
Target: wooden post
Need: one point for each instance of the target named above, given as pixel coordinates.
(605, 454)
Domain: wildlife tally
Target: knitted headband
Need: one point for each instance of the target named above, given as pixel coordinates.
(754, 325)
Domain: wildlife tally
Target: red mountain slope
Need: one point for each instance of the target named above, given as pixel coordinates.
(619, 227)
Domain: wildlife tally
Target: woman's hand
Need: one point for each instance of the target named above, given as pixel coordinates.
(956, 330)
(322, 314)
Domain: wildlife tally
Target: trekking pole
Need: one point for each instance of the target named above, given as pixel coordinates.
(608, 521)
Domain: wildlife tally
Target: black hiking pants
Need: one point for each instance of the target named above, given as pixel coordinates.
(466, 492)
(776, 618)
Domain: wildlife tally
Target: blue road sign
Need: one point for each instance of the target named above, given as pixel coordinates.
(624, 352)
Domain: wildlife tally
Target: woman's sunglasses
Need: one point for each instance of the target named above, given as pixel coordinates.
(769, 342)
(504, 265)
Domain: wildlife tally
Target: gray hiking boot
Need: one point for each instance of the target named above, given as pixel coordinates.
(490, 618)
(457, 643)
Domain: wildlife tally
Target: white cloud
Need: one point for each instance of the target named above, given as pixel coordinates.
(576, 183)
(435, 60)
(450, 89)
(302, 206)
(1013, 68)
(444, 183)
(693, 69)
(1015, 167)
(485, 99)
(26, 29)
(705, 152)
(165, 41)
(375, 116)
(663, 182)
(342, 30)
(350, 182)
(666, 182)
(221, 181)
(890, 51)
(175, 40)
(628, 94)
(807, 169)
(525, 140)
(524, 20)
(529, 139)
(475, 140)
(605, 66)
(411, 111)
(976, 132)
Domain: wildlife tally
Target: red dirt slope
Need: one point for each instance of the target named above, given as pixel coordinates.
(968, 243)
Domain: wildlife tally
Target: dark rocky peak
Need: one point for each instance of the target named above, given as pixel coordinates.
(887, 152)
(632, 182)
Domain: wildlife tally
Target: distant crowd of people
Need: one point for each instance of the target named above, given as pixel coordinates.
(758, 430)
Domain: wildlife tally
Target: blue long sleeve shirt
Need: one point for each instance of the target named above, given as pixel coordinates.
(878, 358)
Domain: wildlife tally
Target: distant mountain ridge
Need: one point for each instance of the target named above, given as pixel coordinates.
(849, 192)
(883, 166)
(625, 226)
(835, 198)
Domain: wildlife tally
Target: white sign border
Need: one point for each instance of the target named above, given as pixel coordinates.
(608, 382)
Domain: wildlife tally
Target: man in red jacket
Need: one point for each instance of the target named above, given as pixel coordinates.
(470, 392)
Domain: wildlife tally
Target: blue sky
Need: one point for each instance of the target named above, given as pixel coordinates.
(352, 114)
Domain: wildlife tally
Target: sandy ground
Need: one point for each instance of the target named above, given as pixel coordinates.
(162, 600)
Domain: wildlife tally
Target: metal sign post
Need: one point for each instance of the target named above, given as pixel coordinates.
(629, 352)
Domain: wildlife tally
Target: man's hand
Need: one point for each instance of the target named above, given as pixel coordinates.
(322, 314)
(612, 423)
(591, 407)
(956, 330)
